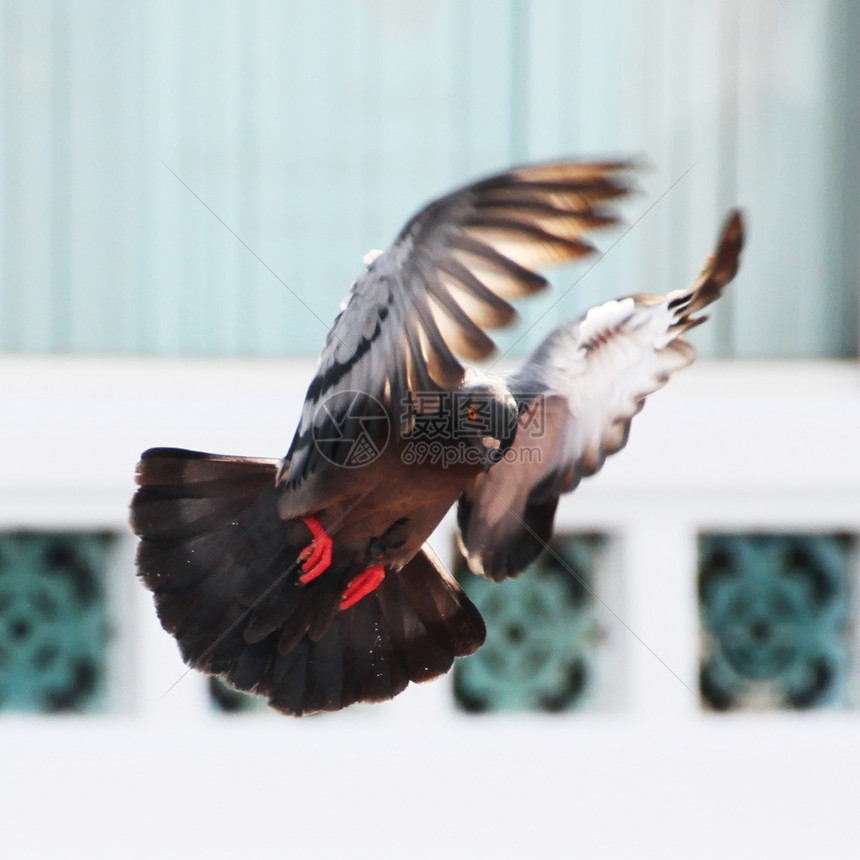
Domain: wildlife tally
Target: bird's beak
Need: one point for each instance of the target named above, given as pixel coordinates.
(494, 454)
(491, 457)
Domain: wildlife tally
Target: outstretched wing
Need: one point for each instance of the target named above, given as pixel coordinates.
(580, 390)
(429, 297)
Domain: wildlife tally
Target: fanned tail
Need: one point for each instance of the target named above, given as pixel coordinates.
(223, 569)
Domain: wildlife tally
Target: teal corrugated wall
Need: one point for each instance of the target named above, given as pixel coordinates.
(312, 130)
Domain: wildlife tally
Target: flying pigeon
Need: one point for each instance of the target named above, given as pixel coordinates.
(307, 580)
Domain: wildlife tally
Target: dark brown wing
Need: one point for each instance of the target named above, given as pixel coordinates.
(430, 296)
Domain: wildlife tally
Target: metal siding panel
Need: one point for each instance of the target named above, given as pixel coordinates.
(101, 313)
(483, 111)
(27, 194)
(704, 196)
(169, 203)
(297, 134)
(681, 115)
(419, 137)
(572, 112)
(785, 117)
(122, 127)
(236, 117)
(85, 188)
(35, 181)
(247, 274)
(381, 132)
(842, 182)
(692, 114)
(59, 238)
(205, 124)
(202, 237)
(5, 144)
(11, 137)
(313, 131)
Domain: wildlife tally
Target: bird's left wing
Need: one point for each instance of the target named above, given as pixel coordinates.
(579, 392)
(429, 297)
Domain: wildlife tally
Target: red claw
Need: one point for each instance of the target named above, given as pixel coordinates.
(316, 556)
(362, 585)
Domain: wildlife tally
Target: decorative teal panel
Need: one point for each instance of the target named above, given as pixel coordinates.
(229, 701)
(775, 620)
(53, 621)
(542, 634)
(225, 699)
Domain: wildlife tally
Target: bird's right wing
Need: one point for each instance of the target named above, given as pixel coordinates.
(429, 297)
(579, 392)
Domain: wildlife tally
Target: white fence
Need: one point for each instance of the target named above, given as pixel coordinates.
(740, 446)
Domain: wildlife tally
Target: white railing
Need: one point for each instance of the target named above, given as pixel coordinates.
(727, 446)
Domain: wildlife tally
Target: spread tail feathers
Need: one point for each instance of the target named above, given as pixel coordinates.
(223, 569)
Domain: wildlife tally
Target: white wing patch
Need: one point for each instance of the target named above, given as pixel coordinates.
(594, 375)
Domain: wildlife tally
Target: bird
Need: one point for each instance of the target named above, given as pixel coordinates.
(308, 580)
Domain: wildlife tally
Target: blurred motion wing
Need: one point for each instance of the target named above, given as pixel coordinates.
(448, 277)
(578, 393)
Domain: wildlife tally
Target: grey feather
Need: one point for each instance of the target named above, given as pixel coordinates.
(428, 298)
(585, 382)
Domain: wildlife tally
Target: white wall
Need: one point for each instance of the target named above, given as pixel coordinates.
(734, 446)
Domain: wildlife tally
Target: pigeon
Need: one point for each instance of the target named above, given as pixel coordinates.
(308, 580)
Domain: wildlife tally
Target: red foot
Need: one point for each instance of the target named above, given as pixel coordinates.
(316, 556)
(362, 585)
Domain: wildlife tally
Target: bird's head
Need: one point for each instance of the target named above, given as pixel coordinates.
(486, 416)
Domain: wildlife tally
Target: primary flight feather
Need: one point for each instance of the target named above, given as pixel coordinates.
(307, 580)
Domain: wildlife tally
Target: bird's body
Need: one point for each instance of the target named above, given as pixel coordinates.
(366, 517)
(308, 580)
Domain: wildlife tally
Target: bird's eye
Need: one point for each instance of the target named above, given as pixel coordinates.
(472, 413)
